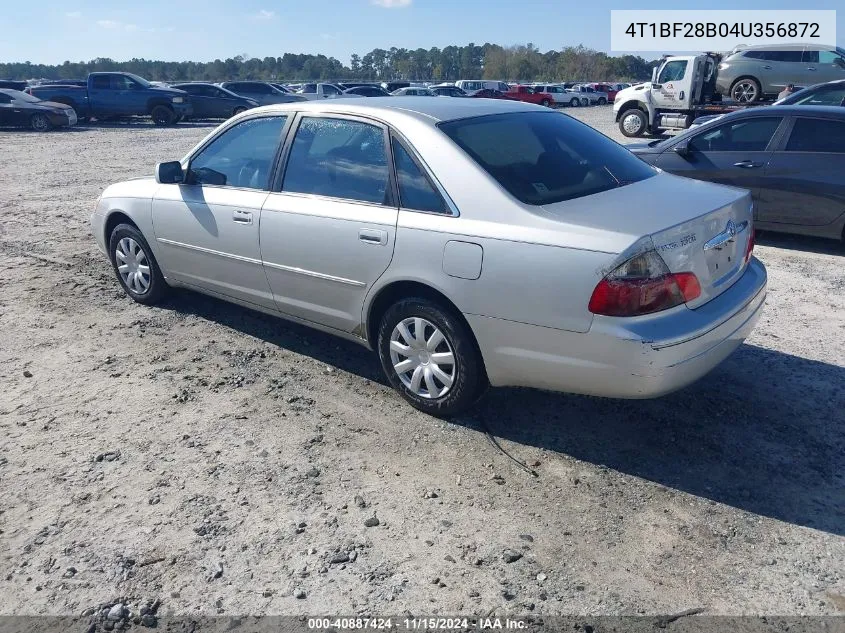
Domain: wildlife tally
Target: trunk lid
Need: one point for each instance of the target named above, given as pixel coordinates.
(695, 226)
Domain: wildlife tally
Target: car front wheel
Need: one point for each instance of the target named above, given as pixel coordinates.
(40, 122)
(633, 123)
(134, 264)
(430, 357)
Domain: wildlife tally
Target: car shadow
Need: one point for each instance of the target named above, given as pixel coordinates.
(803, 243)
(761, 433)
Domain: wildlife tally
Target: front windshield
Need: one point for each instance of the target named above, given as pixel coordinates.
(140, 80)
(22, 96)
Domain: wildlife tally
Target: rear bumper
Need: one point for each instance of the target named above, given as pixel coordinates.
(642, 357)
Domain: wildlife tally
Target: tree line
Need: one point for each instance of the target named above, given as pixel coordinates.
(489, 61)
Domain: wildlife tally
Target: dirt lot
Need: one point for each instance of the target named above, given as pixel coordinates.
(226, 462)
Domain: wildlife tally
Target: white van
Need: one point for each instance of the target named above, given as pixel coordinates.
(471, 86)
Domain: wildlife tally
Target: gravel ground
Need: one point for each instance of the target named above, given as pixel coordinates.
(221, 461)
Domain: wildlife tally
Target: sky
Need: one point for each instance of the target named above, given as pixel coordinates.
(51, 32)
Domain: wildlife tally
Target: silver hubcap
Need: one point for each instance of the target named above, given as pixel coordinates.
(631, 123)
(422, 358)
(132, 265)
(745, 91)
(40, 122)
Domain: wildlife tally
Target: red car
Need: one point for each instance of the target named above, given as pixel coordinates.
(528, 94)
(610, 89)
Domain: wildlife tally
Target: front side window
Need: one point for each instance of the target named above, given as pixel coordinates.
(673, 71)
(415, 190)
(330, 90)
(338, 158)
(120, 82)
(749, 135)
(240, 157)
(817, 135)
(543, 158)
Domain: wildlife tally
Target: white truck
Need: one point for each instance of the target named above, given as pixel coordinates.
(313, 92)
(681, 89)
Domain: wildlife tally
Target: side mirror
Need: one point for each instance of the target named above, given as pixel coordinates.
(169, 173)
(682, 149)
(654, 75)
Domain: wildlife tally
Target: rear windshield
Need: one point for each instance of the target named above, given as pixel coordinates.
(546, 157)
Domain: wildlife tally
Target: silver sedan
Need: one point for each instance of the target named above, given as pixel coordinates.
(469, 242)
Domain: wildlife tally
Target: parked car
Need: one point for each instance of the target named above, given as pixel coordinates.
(213, 102)
(281, 88)
(109, 95)
(413, 91)
(471, 86)
(260, 91)
(831, 93)
(488, 93)
(791, 159)
(447, 91)
(8, 84)
(530, 95)
(530, 249)
(367, 91)
(589, 94)
(560, 94)
(756, 72)
(320, 91)
(18, 109)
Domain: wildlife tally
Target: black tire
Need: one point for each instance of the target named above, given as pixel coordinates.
(163, 115)
(746, 90)
(626, 123)
(602, 101)
(470, 379)
(238, 110)
(574, 102)
(546, 103)
(157, 287)
(40, 122)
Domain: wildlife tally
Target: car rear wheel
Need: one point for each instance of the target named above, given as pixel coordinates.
(238, 110)
(574, 102)
(545, 103)
(162, 115)
(746, 90)
(633, 123)
(40, 122)
(430, 357)
(134, 264)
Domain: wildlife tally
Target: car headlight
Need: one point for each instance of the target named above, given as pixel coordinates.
(178, 99)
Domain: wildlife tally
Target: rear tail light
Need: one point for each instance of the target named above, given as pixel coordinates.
(643, 285)
(749, 250)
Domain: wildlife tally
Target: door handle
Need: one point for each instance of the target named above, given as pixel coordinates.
(373, 236)
(767, 67)
(242, 217)
(746, 164)
(811, 68)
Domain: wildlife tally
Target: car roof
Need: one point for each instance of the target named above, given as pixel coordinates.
(421, 108)
(835, 112)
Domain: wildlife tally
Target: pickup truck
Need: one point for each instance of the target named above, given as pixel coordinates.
(528, 94)
(109, 95)
(312, 92)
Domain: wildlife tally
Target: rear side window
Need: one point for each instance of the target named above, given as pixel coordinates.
(338, 158)
(830, 96)
(101, 82)
(748, 135)
(817, 135)
(543, 157)
(415, 190)
(240, 157)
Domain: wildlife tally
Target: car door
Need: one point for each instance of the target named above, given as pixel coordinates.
(803, 182)
(207, 227)
(734, 153)
(327, 232)
(673, 80)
